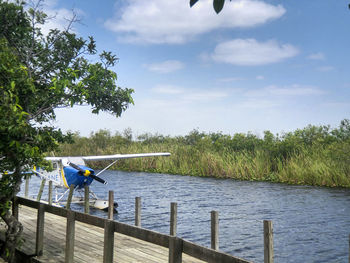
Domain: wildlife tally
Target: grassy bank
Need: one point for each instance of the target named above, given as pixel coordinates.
(315, 155)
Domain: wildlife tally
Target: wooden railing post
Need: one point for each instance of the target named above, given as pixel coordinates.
(15, 207)
(175, 249)
(173, 219)
(138, 211)
(268, 242)
(26, 187)
(40, 230)
(50, 193)
(38, 198)
(110, 205)
(70, 196)
(70, 233)
(214, 230)
(108, 246)
(86, 200)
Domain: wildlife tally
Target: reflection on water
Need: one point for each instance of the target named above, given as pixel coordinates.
(311, 224)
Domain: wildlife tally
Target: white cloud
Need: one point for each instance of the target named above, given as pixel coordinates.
(295, 90)
(325, 68)
(189, 95)
(172, 21)
(317, 56)
(165, 66)
(250, 52)
(233, 79)
(204, 96)
(258, 104)
(168, 89)
(260, 77)
(287, 91)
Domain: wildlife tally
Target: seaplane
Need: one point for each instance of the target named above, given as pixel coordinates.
(69, 171)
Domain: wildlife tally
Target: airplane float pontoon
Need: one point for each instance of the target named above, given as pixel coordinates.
(73, 170)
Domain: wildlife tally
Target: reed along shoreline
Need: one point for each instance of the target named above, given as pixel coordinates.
(315, 155)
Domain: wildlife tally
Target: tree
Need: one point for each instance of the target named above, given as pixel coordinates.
(39, 73)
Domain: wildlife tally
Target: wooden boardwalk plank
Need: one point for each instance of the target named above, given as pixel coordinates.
(88, 242)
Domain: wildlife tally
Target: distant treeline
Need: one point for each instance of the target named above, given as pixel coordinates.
(315, 155)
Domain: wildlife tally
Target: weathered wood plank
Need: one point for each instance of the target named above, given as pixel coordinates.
(70, 237)
(175, 250)
(206, 254)
(56, 210)
(40, 230)
(50, 193)
(108, 242)
(42, 185)
(28, 202)
(138, 211)
(110, 204)
(86, 199)
(88, 242)
(90, 219)
(26, 187)
(268, 242)
(143, 234)
(70, 196)
(173, 219)
(215, 230)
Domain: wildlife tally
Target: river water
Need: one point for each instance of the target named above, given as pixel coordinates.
(311, 224)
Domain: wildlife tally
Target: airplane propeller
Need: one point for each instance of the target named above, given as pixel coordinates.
(87, 173)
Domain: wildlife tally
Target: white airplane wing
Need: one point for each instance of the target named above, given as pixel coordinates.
(54, 159)
(108, 157)
(122, 156)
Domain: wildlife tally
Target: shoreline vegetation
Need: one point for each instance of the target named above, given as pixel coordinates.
(314, 155)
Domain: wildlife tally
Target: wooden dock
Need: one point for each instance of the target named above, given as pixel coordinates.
(89, 242)
(53, 234)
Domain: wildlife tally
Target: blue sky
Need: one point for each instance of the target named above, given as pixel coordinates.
(258, 65)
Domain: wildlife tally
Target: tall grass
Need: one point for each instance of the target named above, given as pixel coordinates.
(311, 156)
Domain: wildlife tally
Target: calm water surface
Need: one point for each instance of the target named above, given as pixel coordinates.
(311, 224)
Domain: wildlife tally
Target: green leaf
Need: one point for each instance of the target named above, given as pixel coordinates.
(218, 5)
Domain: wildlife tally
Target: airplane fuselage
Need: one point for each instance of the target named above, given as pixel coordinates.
(73, 176)
(64, 175)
